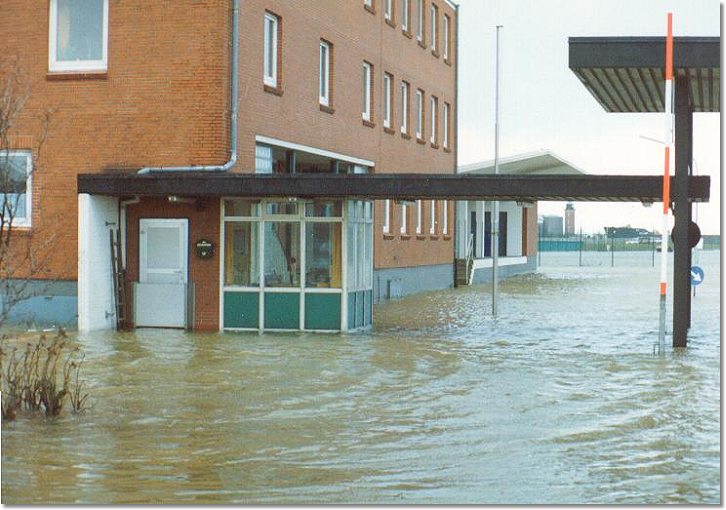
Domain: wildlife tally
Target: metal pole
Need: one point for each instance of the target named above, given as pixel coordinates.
(668, 100)
(580, 246)
(495, 204)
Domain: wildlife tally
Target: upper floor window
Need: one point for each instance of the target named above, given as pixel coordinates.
(405, 15)
(388, 9)
(446, 115)
(325, 72)
(419, 114)
(447, 36)
(15, 188)
(78, 35)
(419, 217)
(434, 28)
(445, 221)
(387, 100)
(404, 219)
(367, 92)
(405, 88)
(420, 25)
(368, 4)
(434, 123)
(432, 218)
(272, 54)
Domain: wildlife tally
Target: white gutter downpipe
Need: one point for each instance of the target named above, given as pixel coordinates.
(233, 113)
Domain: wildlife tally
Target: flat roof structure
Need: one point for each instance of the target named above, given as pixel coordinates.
(542, 162)
(626, 74)
(610, 188)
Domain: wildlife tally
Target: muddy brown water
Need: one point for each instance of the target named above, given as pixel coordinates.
(559, 400)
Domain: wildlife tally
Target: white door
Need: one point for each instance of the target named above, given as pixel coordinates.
(161, 295)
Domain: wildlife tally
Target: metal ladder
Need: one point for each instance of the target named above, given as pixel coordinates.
(119, 278)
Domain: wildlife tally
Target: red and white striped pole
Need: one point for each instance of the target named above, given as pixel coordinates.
(668, 100)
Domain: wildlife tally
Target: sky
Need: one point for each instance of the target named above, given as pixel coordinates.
(543, 105)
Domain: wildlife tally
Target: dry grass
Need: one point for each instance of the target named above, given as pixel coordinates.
(41, 377)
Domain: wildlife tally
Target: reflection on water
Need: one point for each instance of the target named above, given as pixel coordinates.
(559, 400)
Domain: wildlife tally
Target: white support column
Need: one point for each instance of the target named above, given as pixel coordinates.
(462, 227)
(96, 306)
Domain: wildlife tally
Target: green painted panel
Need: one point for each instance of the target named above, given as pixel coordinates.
(282, 311)
(322, 311)
(359, 315)
(351, 310)
(241, 309)
(369, 308)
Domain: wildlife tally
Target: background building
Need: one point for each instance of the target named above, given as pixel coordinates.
(569, 220)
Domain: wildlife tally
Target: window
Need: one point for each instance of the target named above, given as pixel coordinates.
(272, 25)
(387, 217)
(419, 219)
(325, 72)
(15, 188)
(388, 100)
(323, 255)
(388, 9)
(367, 92)
(434, 28)
(368, 4)
(404, 219)
(78, 35)
(445, 210)
(432, 229)
(420, 25)
(282, 253)
(405, 15)
(447, 36)
(446, 115)
(419, 114)
(434, 124)
(405, 88)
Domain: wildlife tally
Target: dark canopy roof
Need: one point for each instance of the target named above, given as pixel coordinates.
(626, 74)
(612, 188)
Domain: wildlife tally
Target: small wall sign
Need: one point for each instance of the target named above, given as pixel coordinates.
(205, 249)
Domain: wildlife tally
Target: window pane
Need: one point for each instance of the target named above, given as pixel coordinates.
(13, 185)
(241, 254)
(324, 209)
(323, 255)
(79, 30)
(282, 254)
(241, 208)
(282, 208)
(163, 248)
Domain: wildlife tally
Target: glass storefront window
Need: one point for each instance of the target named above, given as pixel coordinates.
(323, 255)
(241, 208)
(282, 254)
(324, 210)
(241, 254)
(271, 160)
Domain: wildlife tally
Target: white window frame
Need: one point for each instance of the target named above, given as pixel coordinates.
(432, 229)
(388, 9)
(447, 22)
(419, 113)
(419, 217)
(387, 99)
(270, 75)
(387, 216)
(434, 123)
(324, 73)
(446, 114)
(367, 89)
(445, 227)
(55, 65)
(434, 27)
(27, 220)
(369, 3)
(404, 15)
(404, 219)
(420, 24)
(405, 92)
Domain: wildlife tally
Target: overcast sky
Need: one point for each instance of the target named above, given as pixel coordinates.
(544, 106)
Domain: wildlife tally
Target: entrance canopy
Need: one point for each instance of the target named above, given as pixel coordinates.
(626, 74)
(612, 188)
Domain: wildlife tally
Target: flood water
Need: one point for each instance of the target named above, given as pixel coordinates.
(559, 400)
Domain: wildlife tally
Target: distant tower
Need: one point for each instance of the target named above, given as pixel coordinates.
(569, 220)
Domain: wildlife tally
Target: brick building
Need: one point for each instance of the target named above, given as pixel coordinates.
(240, 86)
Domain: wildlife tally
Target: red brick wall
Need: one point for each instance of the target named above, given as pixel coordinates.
(203, 224)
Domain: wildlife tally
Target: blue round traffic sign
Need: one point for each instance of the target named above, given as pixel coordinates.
(697, 275)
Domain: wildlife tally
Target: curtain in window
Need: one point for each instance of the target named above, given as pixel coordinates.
(80, 30)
